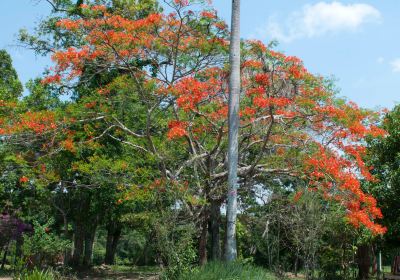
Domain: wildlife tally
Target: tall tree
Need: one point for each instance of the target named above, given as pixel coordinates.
(234, 87)
(10, 86)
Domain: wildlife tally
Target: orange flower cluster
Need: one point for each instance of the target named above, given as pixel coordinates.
(37, 122)
(182, 3)
(329, 169)
(263, 102)
(191, 92)
(209, 14)
(177, 129)
(23, 179)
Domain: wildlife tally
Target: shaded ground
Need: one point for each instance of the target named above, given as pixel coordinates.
(119, 273)
(5, 275)
(108, 273)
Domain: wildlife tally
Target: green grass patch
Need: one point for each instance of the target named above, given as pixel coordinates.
(228, 271)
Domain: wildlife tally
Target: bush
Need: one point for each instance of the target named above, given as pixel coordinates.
(44, 247)
(227, 271)
(176, 248)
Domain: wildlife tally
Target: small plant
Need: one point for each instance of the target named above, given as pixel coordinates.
(37, 274)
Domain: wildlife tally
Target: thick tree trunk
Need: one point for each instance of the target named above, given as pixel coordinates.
(89, 241)
(234, 96)
(79, 237)
(215, 216)
(113, 235)
(363, 262)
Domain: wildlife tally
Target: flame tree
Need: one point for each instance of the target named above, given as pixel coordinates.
(174, 67)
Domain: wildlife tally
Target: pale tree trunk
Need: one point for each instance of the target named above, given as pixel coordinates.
(234, 95)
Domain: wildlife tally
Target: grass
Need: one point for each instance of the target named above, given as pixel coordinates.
(119, 272)
(231, 271)
(135, 269)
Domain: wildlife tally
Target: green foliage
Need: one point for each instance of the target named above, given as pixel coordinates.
(134, 247)
(36, 274)
(40, 97)
(384, 156)
(176, 247)
(10, 86)
(44, 246)
(227, 271)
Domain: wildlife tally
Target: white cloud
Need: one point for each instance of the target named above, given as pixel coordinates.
(320, 19)
(395, 65)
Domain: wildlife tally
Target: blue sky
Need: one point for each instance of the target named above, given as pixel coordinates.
(357, 42)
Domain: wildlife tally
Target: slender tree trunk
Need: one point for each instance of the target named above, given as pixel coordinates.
(203, 241)
(18, 247)
(67, 252)
(215, 216)
(234, 98)
(3, 263)
(113, 235)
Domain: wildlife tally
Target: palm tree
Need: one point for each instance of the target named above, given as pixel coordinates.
(234, 96)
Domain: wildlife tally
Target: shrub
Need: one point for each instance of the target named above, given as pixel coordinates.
(176, 249)
(43, 246)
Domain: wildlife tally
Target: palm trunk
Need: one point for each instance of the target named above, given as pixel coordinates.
(234, 96)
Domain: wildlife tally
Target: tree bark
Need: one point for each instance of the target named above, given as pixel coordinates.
(89, 241)
(113, 235)
(79, 237)
(215, 216)
(234, 98)
(363, 261)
